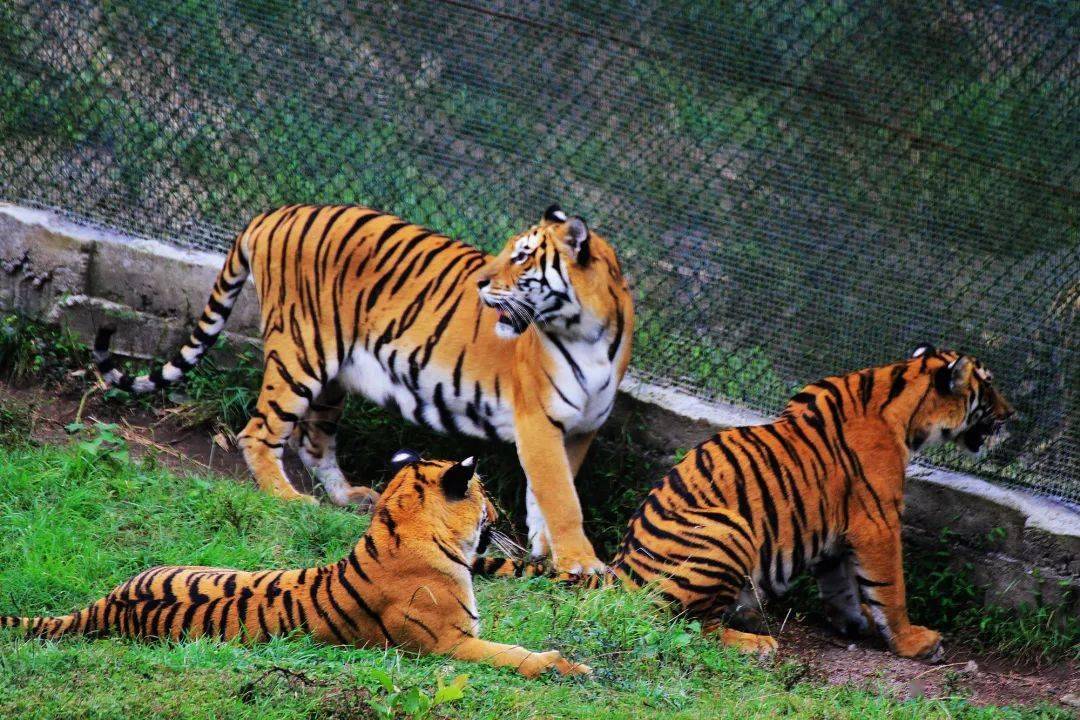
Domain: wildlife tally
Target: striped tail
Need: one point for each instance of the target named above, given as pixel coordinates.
(88, 621)
(222, 298)
(508, 567)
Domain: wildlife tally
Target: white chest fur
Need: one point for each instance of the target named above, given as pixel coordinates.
(584, 384)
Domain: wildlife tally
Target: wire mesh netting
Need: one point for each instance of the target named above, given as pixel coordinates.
(796, 188)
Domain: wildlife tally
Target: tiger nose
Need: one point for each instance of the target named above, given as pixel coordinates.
(482, 283)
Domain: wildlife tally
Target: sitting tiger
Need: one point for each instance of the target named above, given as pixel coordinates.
(527, 346)
(819, 489)
(407, 582)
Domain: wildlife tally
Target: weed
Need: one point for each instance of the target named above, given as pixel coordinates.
(941, 592)
(29, 349)
(103, 443)
(16, 425)
(72, 527)
(219, 394)
(412, 701)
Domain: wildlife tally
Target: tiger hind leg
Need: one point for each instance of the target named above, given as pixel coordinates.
(263, 440)
(529, 663)
(316, 444)
(840, 594)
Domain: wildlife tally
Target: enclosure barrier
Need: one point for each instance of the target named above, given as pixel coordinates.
(794, 188)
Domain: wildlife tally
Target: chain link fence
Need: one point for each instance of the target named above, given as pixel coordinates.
(796, 188)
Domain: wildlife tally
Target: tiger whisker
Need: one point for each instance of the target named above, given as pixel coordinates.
(506, 546)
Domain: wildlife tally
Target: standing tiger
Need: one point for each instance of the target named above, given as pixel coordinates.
(821, 488)
(527, 346)
(407, 583)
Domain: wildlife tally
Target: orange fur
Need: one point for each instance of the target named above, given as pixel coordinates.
(357, 300)
(406, 583)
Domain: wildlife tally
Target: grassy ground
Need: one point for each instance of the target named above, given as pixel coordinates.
(74, 521)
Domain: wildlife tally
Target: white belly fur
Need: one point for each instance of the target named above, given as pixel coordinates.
(366, 376)
(590, 398)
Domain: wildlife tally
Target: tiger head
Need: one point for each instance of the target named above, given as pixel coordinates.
(961, 405)
(555, 275)
(441, 498)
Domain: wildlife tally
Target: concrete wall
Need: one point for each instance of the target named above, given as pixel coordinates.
(1022, 547)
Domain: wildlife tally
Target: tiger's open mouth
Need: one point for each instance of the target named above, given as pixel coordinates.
(515, 316)
(975, 437)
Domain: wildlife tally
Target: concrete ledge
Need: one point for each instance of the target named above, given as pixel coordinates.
(1022, 547)
(83, 278)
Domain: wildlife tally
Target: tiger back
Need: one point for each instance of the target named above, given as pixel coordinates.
(406, 583)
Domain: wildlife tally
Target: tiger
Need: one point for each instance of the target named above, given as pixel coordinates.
(819, 489)
(406, 583)
(527, 346)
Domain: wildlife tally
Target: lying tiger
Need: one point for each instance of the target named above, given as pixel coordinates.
(819, 489)
(527, 346)
(406, 583)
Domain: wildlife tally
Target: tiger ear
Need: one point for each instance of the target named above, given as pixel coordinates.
(456, 479)
(402, 458)
(554, 214)
(954, 377)
(924, 349)
(577, 237)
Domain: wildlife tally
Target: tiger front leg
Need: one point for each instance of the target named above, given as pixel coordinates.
(541, 449)
(529, 663)
(539, 538)
(577, 447)
(840, 594)
(879, 572)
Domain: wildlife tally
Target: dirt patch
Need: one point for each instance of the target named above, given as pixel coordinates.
(818, 653)
(148, 430)
(962, 673)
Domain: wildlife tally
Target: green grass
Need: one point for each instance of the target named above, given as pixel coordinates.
(74, 521)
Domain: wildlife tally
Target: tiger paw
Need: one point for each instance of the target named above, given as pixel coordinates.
(574, 567)
(749, 643)
(364, 498)
(538, 663)
(918, 643)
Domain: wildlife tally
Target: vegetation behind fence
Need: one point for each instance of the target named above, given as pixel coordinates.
(796, 188)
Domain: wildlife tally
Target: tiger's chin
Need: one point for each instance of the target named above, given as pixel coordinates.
(507, 330)
(510, 326)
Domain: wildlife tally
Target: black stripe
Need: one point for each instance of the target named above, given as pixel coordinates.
(561, 394)
(323, 615)
(422, 626)
(897, 386)
(344, 241)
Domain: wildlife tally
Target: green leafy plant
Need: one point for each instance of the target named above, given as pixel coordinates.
(104, 442)
(34, 350)
(412, 701)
